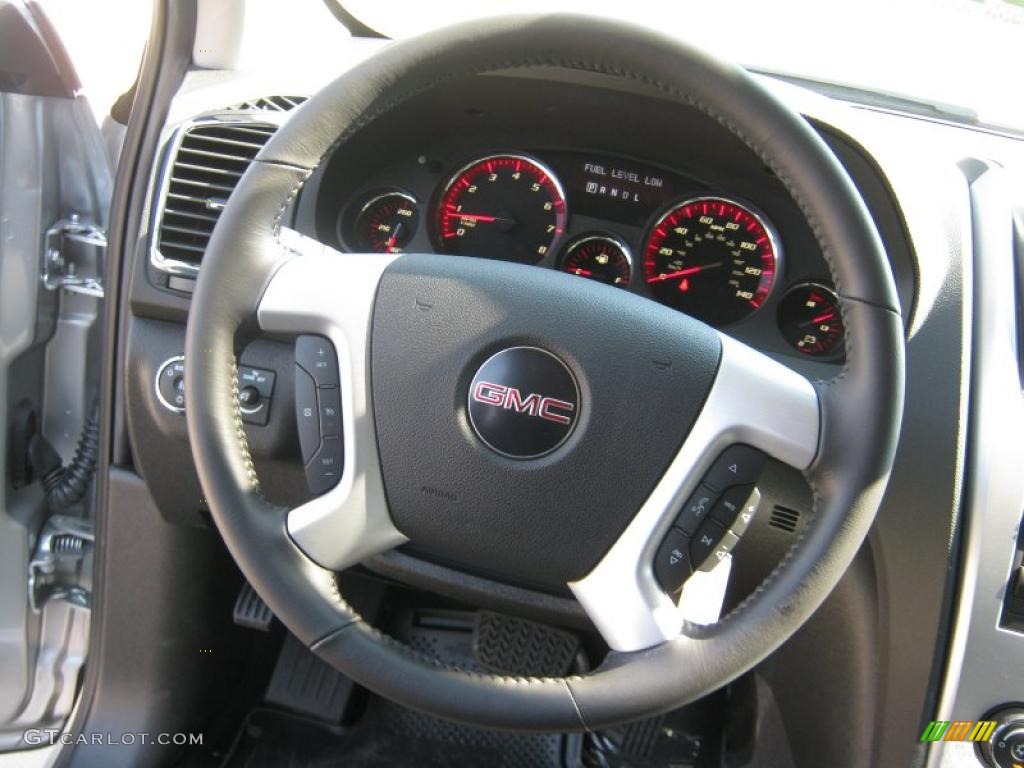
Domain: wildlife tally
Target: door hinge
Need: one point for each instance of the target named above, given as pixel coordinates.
(55, 568)
(73, 257)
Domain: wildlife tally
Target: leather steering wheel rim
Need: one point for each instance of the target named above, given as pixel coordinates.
(859, 410)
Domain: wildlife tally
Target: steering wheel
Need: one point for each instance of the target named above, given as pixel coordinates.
(436, 354)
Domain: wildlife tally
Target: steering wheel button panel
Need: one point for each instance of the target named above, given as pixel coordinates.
(329, 401)
(748, 509)
(728, 507)
(306, 414)
(318, 412)
(705, 541)
(719, 553)
(737, 465)
(316, 355)
(696, 510)
(672, 564)
(324, 471)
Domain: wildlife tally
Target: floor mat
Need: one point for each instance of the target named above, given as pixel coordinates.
(387, 735)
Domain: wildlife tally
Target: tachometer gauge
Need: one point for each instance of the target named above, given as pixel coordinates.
(712, 258)
(810, 320)
(501, 207)
(598, 257)
(386, 223)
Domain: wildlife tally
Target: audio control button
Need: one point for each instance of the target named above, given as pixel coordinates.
(316, 355)
(306, 414)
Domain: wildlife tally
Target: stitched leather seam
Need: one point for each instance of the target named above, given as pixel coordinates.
(243, 440)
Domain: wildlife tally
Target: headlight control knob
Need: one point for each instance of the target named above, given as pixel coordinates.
(170, 384)
(1005, 748)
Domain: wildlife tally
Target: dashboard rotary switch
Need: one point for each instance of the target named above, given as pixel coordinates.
(249, 396)
(255, 389)
(1005, 747)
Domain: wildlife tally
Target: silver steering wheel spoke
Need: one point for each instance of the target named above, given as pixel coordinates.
(755, 401)
(324, 292)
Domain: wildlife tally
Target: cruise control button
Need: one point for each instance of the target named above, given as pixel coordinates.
(330, 411)
(672, 565)
(306, 413)
(725, 545)
(729, 505)
(738, 465)
(704, 543)
(324, 471)
(316, 355)
(696, 509)
(742, 522)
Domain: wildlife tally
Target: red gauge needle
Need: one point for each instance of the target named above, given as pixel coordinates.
(822, 318)
(390, 244)
(582, 272)
(683, 272)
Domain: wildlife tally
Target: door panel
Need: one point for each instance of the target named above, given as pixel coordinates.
(52, 165)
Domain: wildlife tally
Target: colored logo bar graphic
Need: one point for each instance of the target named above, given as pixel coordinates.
(958, 730)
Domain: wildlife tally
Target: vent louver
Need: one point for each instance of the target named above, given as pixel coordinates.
(269, 104)
(784, 519)
(210, 159)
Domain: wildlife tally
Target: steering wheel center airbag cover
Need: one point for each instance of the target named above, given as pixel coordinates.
(523, 402)
(494, 485)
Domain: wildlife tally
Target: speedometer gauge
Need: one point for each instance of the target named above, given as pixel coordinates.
(506, 207)
(712, 258)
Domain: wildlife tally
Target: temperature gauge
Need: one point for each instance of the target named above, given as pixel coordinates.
(810, 320)
(386, 223)
(598, 257)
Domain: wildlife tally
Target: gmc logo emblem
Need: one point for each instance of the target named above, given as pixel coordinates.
(511, 399)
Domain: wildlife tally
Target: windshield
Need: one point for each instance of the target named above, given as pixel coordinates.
(965, 58)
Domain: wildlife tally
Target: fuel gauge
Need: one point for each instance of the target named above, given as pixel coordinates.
(810, 320)
(598, 257)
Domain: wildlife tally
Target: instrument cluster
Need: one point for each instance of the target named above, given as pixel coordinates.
(704, 252)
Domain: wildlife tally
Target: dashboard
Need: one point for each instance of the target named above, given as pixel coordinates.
(612, 220)
(402, 180)
(686, 217)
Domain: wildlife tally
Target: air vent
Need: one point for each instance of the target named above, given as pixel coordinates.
(269, 104)
(784, 519)
(210, 159)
